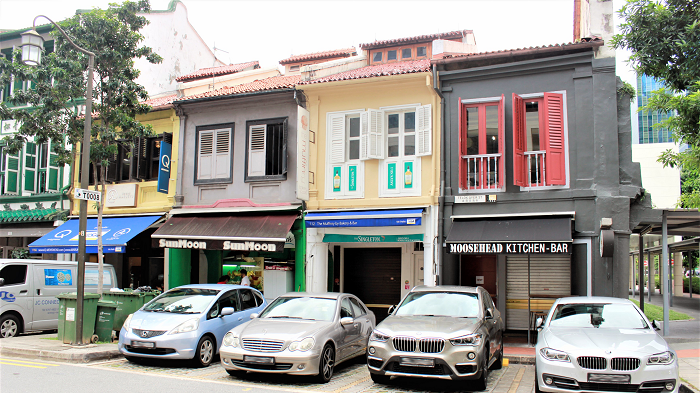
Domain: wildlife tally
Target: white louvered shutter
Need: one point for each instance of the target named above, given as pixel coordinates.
(336, 131)
(376, 134)
(423, 132)
(256, 150)
(205, 159)
(222, 157)
(364, 135)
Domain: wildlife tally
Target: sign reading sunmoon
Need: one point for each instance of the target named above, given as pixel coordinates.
(164, 167)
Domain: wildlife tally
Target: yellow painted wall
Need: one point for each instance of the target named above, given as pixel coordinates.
(363, 94)
(148, 199)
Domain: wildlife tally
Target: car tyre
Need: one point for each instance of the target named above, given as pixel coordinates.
(381, 379)
(9, 326)
(498, 364)
(483, 379)
(326, 364)
(237, 373)
(133, 359)
(205, 352)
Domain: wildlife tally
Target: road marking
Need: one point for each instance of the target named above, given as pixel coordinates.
(516, 380)
(20, 365)
(346, 387)
(24, 361)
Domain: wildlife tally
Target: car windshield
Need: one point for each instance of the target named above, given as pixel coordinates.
(183, 301)
(314, 308)
(598, 315)
(442, 304)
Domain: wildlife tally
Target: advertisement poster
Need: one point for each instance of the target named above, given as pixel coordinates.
(352, 178)
(391, 175)
(408, 175)
(58, 277)
(336, 179)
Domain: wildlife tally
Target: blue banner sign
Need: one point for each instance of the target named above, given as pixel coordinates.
(368, 218)
(164, 167)
(58, 277)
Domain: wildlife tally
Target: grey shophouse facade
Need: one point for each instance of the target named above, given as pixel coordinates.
(540, 193)
(238, 199)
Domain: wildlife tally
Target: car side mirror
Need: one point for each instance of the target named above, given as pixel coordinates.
(346, 321)
(392, 309)
(254, 315)
(539, 323)
(226, 311)
(489, 313)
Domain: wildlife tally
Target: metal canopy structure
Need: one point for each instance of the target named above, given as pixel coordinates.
(666, 222)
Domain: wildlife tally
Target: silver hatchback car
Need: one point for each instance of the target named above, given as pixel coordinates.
(446, 332)
(188, 322)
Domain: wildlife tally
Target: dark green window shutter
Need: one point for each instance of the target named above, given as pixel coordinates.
(30, 161)
(53, 175)
(12, 175)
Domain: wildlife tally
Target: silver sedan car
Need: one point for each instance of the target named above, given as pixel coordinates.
(188, 322)
(446, 332)
(300, 333)
(602, 344)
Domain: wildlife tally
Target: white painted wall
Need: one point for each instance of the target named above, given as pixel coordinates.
(664, 184)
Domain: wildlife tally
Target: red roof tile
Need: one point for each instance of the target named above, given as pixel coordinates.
(406, 67)
(416, 39)
(273, 83)
(585, 43)
(160, 102)
(320, 55)
(217, 71)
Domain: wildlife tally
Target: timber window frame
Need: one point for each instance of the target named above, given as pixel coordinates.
(266, 149)
(214, 154)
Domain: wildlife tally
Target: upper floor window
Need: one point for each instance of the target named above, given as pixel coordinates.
(266, 150)
(32, 170)
(214, 157)
(481, 145)
(377, 57)
(406, 53)
(539, 140)
(391, 55)
(422, 51)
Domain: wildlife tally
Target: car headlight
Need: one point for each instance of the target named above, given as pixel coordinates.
(127, 322)
(302, 345)
(469, 339)
(231, 340)
(661, 358)
(378, 336)
(553, 354)
(186, 326)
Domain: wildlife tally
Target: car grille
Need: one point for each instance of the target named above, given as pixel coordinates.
(425, 345)
(592, 362)
(624, 364)
(257, 366)
(258, 345)
(150, 351)
(607, 387)
(148, 333)
(438, 369)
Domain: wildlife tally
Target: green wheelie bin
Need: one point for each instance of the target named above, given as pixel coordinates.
(67, 303)
(128, 302)
(104, 322)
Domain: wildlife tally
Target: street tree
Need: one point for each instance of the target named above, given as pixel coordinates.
(58, 85)
(664, 38)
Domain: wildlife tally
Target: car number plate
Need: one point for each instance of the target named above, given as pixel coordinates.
(417, 362)
(142, 344)
(259, 359)
(609, 378)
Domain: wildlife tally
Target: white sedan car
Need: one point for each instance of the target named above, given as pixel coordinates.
(602, 344)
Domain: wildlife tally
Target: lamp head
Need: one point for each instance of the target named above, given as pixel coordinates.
(32, 46)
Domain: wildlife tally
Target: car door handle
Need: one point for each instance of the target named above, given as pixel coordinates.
(38, 292)
(240, 319)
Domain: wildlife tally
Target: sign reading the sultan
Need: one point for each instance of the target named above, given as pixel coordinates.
(220, 245)
(510, 248)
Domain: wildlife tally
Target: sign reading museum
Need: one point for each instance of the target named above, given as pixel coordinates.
(510, 248)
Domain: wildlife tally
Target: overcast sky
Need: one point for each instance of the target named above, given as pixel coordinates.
(268, 31)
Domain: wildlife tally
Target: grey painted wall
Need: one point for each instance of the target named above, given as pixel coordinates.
(603, 181)
(238, 110)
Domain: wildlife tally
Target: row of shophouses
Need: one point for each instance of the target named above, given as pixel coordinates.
(419, 161)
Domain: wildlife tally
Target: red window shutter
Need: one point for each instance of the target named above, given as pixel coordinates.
(519, 146)
(555, 147)
(462, 149)
(501, 139)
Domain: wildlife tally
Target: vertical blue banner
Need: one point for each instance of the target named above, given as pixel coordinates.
(164, 167)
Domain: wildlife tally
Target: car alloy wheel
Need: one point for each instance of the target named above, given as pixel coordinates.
(325, 366)
(205, 352)
(483, 379)
(9, 326)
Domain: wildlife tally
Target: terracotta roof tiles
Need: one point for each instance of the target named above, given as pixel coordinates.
(273, 83)
(217, 71)
(416, 39)
(161, 102)
(585, 43)
(320, 55)
(406, 67)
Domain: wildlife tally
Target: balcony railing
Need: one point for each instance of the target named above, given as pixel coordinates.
(482, 171)
(536, 169)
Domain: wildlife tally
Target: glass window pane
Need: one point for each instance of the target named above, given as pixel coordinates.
(393, 146)
(492, 129)
(354, 125)
(532, 126)
(406, 53)
(409, 145)
(354, 153)
(393, 124)
(391, 55)
(472, 131)
(421, 51)
(409, 122)
(377, 56)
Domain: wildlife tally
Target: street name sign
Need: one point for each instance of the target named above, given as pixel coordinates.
(88, 195)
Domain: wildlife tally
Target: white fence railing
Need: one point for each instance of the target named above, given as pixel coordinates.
(536, 169)
(482, 171)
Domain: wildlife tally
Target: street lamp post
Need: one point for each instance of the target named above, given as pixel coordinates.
(32, 46)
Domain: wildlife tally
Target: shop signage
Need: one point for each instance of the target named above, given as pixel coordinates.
(333, 238)
(302, 154)
(363, 222)
(121, 195)
(474, 198)
(164, 167)
(510, 248)
(220, 245)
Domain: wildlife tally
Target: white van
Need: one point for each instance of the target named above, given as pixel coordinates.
(28, 289)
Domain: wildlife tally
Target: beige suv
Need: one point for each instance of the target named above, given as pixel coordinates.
(445, 332)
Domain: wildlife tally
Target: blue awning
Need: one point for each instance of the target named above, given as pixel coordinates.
(366, 218)
(116, 232)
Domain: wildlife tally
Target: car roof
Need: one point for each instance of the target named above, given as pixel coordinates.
(325, 295)
(592, 299)
(213, 286)
(445, 288)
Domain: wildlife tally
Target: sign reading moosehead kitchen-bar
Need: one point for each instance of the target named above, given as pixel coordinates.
(208, 244)
(510, 248)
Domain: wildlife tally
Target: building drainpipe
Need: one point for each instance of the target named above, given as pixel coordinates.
(441, 197)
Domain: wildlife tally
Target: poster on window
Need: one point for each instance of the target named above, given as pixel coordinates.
(58, 277)
(391, 176)
(408, 175)
(336, 179)
(352, 178)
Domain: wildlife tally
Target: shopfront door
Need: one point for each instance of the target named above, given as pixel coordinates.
(374, 275)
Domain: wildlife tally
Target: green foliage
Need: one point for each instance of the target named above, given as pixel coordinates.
(627, 89)
(20, 253)
(696, 284)
(656, 313)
